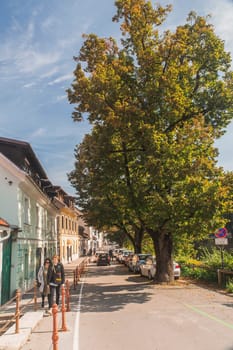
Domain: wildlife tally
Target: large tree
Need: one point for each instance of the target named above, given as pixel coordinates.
(103, 193)
(157, 102)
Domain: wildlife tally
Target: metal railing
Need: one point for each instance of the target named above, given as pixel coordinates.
(13, 310)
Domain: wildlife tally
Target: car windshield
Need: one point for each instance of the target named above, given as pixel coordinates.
(143, 256)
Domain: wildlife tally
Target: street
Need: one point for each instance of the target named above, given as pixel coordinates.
(120, 310)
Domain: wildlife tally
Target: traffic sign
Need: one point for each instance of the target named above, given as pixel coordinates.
(221, 233)
(221, 241)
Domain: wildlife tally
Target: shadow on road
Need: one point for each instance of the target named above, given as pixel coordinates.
(106, 297)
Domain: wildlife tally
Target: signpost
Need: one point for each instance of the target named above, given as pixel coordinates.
(221, 240)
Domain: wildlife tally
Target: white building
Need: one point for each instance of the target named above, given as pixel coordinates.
(28, 208)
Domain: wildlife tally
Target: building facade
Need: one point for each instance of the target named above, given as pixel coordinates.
(67, 226)
(42, 219)
(27, 205)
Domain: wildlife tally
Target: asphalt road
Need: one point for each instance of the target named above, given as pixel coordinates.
(121, 311)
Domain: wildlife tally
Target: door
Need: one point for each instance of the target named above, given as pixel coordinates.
(38, 259)
(6, 271)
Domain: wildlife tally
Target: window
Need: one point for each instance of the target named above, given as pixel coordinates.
(37, 216)
(26, 211)
(58, 223)
(26, 275)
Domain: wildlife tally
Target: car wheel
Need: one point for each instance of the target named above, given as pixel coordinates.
(149, 275)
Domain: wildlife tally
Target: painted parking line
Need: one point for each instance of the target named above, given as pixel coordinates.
(205, 314)
(76, 324)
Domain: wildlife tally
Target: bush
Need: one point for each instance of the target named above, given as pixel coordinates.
(229, 286)
(199, 273)
(212, 258)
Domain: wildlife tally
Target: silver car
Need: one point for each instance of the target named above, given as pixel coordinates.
(148, 268)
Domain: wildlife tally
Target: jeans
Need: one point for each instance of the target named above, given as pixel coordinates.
(49, 300)
(55, 294)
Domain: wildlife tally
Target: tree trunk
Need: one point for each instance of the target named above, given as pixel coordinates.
(164, 262)
(136, 239)
(139, 231)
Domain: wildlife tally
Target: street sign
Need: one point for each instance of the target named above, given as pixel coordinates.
(221, 233)
(221, 241)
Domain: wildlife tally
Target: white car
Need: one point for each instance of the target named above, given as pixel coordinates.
(176, 270)
(138, 260)
(148, 269)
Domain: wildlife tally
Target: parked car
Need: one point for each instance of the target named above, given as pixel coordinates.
(137, 260)
(128, 259)
(148, 268)
(177, 270)
(122, 255)
(125, 256)
(95, 256)
(103, 259)
(118, 255)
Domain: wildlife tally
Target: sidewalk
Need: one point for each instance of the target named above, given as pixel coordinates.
(35, 327)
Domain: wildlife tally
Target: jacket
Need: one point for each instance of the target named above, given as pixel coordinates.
(40, 278)
(58, 274)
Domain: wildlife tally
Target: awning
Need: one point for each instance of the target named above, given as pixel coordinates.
(4, 223)
(5, 230)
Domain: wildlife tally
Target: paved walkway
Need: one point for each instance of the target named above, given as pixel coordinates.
(36, 326)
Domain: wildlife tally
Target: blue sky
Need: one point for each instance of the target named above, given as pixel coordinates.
(38, 40)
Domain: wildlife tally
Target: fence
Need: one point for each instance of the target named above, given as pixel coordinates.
(11, 312)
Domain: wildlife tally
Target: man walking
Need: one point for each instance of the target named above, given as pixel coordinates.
(57, 279)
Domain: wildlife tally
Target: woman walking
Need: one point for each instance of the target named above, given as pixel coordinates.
(44, 277)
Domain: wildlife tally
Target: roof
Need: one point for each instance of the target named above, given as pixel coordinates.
(21, 154)
(4, 223)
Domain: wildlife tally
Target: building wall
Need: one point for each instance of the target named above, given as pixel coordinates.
(9, 183)
(67, 224)
(24, 206)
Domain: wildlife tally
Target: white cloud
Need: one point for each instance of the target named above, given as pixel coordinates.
(61, 98)
(38, 132)
(50, 72)
(29, 85)
(61, 79)
(49, 23)
(31, 61)
(222, 18)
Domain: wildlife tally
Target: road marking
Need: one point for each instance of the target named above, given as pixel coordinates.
(76, 323)
(203, 313)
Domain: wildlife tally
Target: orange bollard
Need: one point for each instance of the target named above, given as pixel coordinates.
(63, 310)
(67, 296)
(55, 336)
(17, 311)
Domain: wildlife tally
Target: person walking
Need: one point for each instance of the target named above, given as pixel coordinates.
(110, 254)
(57, 279)
(44, 277)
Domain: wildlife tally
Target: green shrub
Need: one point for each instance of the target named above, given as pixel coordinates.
(229, 286)
(212, 258)
(199, 273)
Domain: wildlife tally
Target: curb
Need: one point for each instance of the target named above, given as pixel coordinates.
(12, 341)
